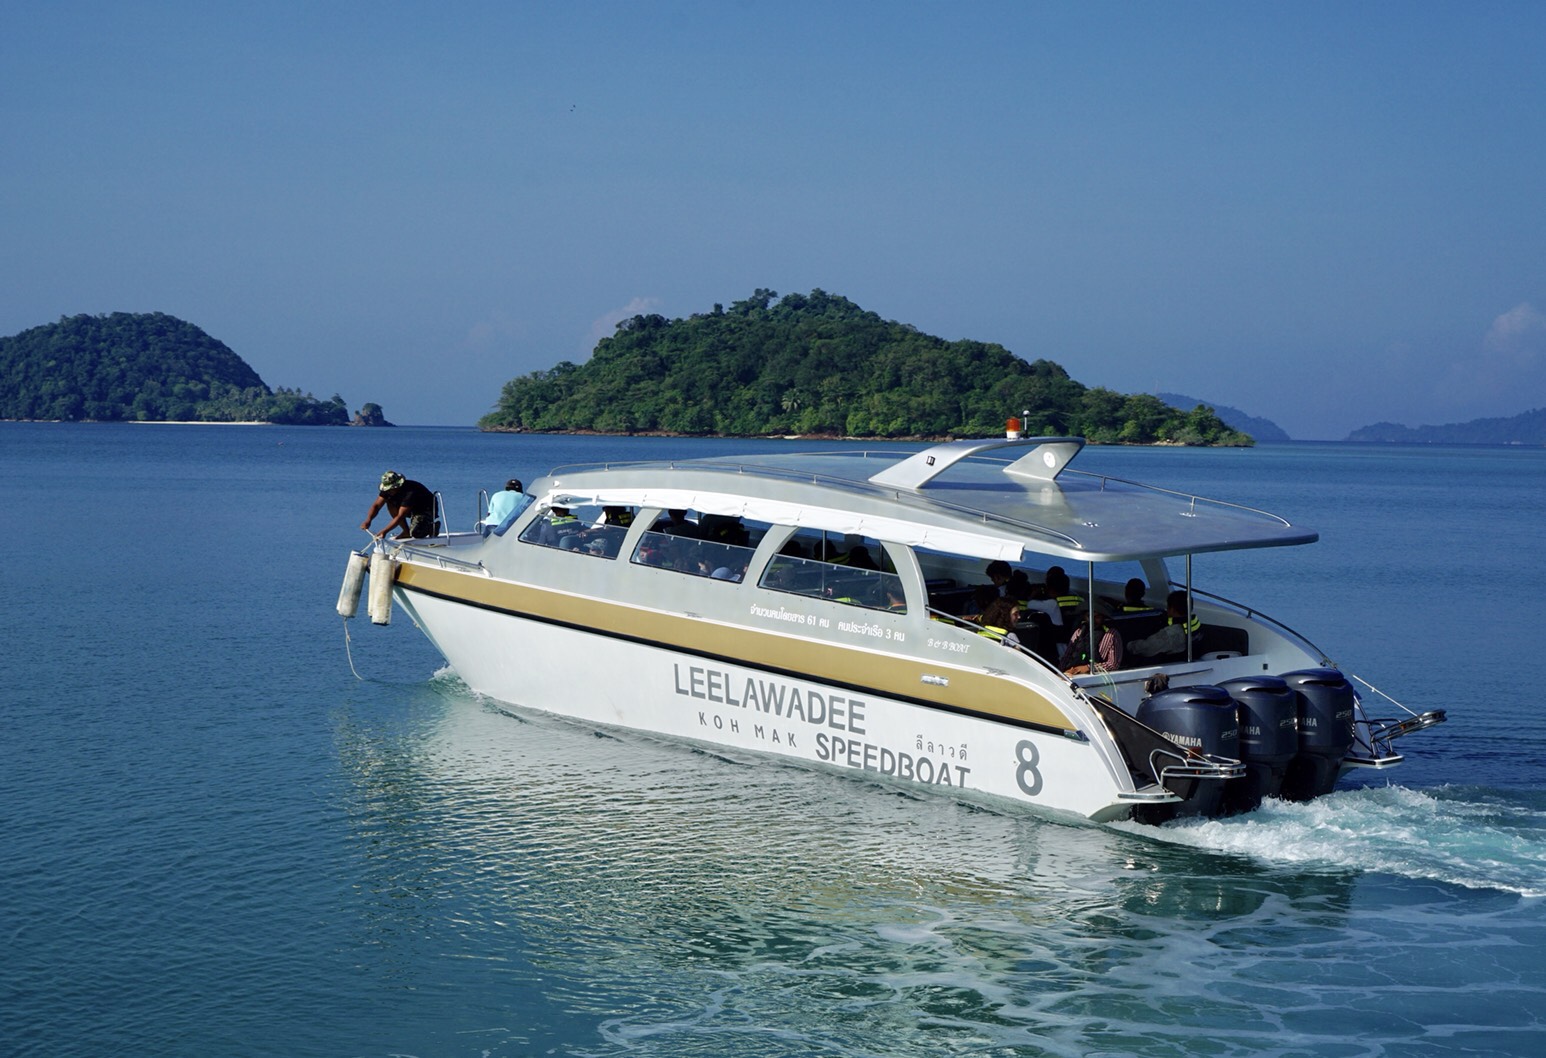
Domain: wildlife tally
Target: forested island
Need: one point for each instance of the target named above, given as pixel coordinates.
(819, 365)
(145, 367)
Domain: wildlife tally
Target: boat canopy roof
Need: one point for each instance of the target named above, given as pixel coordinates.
(993, 498)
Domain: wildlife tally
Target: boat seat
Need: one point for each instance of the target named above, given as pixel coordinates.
(863, 588)
(1212, 639)
(955, 601)
(1037, 634)
(1222, 639)
(1136, 626)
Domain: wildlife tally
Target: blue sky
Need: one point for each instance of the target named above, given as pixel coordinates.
(1328, 214)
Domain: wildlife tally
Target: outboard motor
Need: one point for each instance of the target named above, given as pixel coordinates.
(1269, 738)
(1326, 705)
(1202, 718)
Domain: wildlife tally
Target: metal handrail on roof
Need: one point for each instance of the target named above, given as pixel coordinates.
(861, 485)
(920, 498)
(1192, 498)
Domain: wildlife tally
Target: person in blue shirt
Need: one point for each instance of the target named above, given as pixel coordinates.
(503, 506)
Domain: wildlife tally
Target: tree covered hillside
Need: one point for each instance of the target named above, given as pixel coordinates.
(142, 366)
(819, 364)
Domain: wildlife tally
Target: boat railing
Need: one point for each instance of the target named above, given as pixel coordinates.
(435, 554)
(1192, 499)
(1413, 721)
(1377, 732)
(1383, 729)
(1168, 766)
(908, 496)
(1253, 614)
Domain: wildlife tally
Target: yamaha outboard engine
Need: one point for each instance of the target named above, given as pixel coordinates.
(1326, 705)
(1269, 738)
(1201, 718)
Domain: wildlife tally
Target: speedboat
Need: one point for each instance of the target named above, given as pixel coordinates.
(820, 608)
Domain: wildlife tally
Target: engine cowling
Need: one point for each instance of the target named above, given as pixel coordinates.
(1326, 704)
(1202, 718)
(1269, 738)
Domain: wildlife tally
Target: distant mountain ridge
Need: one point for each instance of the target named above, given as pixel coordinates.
(1259, 428)
(1526, 428)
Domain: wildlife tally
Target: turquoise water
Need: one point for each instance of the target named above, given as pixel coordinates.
(216, 840)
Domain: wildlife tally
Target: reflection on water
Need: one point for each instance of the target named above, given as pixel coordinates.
(642, 896)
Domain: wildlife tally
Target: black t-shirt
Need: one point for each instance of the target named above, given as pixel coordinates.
(417, 498)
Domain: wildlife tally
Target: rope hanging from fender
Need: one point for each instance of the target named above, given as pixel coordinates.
(349, 650)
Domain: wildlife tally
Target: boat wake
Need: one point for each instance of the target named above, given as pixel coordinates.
(1475, 837)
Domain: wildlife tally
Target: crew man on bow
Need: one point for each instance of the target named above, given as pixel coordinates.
(411, 505)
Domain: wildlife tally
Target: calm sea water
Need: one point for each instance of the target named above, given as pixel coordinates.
(216, 840)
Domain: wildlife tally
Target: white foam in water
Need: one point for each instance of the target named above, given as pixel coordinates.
(1411, 833)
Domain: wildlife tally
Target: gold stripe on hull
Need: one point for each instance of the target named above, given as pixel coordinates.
(978, 693)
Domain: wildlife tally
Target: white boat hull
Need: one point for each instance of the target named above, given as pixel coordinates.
(604, 679)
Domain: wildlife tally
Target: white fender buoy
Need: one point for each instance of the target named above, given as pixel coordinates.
(354, 582)
(383, 571)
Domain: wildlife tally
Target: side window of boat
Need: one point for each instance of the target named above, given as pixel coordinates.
(852, 570)
(714, 546)
(580, 529)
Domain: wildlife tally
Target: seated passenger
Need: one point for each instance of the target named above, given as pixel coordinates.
(999, 573)
(613, 514)
(1034, 598)
(1061, 592)
(651, 552)
(1132, 597)
(723, 529)
(997, 619)
(859, 558)
(675, 523)
(503, 502)
(560, 525)
(983, 596)
(503, 506)
(1077, 659)
(1018, 586)
(1172, 638)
